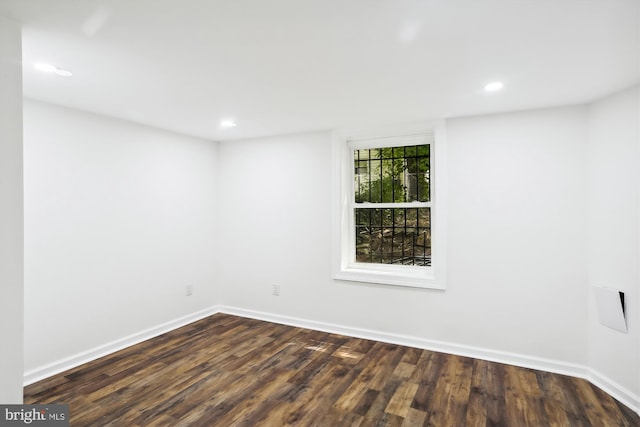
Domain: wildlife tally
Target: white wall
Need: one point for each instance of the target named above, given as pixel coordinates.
(517, 245)
(119, 219)
(614, 232)
(517, 219)
(11, 222)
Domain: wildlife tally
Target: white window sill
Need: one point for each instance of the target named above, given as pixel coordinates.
(413, 277)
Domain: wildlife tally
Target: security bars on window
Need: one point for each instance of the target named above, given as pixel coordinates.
(388, 183)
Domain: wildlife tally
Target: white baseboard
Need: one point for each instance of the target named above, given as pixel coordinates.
(62, 365)
(620, 393)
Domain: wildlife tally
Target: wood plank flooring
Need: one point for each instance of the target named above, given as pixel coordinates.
(232, 371)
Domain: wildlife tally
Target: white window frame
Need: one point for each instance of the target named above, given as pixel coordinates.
(343, 235)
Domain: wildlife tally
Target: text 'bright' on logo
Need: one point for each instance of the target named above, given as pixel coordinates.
(54, 415)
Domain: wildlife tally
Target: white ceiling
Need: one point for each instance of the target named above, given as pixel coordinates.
(285, 66)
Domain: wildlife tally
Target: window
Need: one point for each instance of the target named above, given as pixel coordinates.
(389, 224)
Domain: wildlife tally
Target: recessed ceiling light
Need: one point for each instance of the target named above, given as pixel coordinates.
(48, 68)
(228, 123)
(493, 86)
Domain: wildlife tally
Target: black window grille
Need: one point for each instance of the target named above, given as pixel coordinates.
(392, 235)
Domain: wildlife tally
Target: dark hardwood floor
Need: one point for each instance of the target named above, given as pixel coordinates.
(232, 371)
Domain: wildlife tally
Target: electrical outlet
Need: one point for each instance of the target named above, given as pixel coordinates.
(188, 290)
(276, 290)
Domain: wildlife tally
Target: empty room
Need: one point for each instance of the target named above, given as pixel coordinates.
(320, 212)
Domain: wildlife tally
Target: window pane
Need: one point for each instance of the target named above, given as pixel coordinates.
(388, 181)
(417, 177)
(393, 236)
(387, 217)
(392, 174)
(387, 153)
